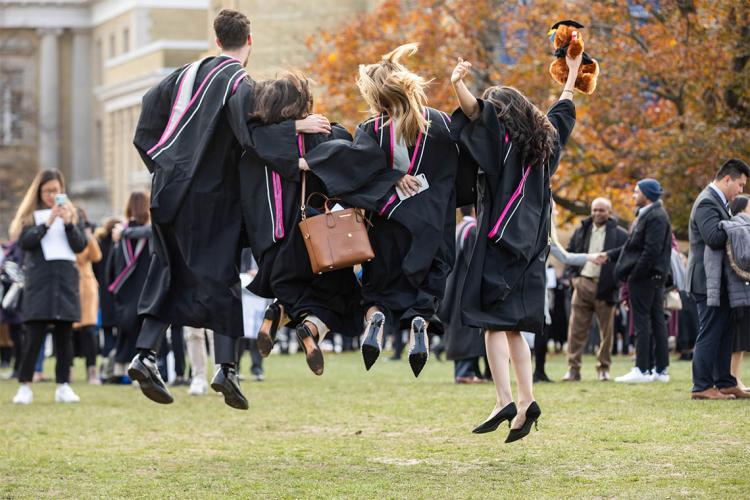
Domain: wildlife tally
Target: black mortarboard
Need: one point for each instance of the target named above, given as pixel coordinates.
(567, 22)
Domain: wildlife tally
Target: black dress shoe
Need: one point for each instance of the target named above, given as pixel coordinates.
(373, 340)
(145, 372)
(266, 340)
(228, 385)
(418, 352)
(315, 356)
(508, 413)
(532, 415)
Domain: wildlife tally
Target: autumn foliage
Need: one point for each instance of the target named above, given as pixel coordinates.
(672, 102)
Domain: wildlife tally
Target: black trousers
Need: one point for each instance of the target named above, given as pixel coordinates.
(17, 336)
(256, 360)
(540, 350)
(110, 340)
(647, 308)
(226, 349)
(712, 355)
(85, 344)
(36, 332)
(125, 349)
(177, 346)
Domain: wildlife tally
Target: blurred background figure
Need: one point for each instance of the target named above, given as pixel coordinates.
(107, 311)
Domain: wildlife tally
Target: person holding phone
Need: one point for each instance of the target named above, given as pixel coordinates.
(413, 228)
(47, 229)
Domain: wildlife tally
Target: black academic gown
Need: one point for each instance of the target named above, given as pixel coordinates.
(128, 285)
(193, 277)
(505, 284)
(460, 341)
(413, 238)
(271, 201)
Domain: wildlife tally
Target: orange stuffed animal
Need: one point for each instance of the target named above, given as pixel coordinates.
(567, 40)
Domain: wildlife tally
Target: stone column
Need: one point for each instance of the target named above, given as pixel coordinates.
(80, 109)
(49, 98)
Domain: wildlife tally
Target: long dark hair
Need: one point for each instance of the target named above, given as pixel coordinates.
(529, 129)
(286, 98)
(32, 200)
(137, 208)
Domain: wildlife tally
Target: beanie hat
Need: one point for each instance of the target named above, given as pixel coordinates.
(650, 188)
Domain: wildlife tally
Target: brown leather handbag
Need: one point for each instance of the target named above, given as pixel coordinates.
(334, 240)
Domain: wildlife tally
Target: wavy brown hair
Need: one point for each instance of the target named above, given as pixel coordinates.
(529, 129)
(32, 201)
(288, 97)
(389, 87)
(137, 208)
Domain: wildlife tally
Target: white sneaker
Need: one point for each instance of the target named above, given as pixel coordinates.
(65, 394)
(24, 396)
(198, 387)
(660, 377)
(635, 376)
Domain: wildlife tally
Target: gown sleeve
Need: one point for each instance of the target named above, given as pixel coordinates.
(155, 110)
(485, 139)
(274, 144)
(347, 166)
(563, 117)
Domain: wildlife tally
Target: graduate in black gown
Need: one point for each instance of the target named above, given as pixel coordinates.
(516, 149)
(191, 133)
(412, 235)
(271, 206)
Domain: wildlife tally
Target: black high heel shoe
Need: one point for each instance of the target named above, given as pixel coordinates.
(266, 340)
(532, 415)
(315, 356)
(418, 352)
(507, 413)
(373, 341)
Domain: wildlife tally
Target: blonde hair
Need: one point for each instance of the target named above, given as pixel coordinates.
(32, 201)
(388, 87)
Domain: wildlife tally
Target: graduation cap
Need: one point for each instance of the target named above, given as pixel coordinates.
(560, 52)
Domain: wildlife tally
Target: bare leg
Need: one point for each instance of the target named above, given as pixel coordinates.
(498, 356)
(737, 368)
(520, 356)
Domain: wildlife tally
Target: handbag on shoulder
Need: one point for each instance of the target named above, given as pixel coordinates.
(334, 240)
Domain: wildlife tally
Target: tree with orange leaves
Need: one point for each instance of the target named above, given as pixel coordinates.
(673, 99)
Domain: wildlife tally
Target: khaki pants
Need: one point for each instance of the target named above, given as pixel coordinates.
(584, 306)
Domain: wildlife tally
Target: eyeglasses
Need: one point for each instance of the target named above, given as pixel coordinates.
(50, 191)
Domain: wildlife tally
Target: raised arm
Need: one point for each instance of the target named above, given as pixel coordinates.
(573, 66)
(466, 99)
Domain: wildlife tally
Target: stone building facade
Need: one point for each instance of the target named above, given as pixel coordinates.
(73, 72)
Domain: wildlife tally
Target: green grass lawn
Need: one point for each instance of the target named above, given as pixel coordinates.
(377, 434)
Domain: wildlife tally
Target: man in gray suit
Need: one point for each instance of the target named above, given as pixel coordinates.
(713, 348)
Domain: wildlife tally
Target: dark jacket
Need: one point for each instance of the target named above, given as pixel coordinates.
(106, 299)
(51, 287)
(615, 237)
(708, 211)
(648, 250)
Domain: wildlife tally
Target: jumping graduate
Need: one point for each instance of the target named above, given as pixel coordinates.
(191, 134)
(516, 149)
(271, 205)
(414, 224)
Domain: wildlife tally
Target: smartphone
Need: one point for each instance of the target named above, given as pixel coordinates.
(423, 187)
(61, 199)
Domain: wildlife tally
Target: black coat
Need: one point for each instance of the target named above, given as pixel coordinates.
(615, 236)
(51, 288)
(461, 341)
(106, 300)
(647, 252)
(506, 282)
(708, 211)
(128, 285)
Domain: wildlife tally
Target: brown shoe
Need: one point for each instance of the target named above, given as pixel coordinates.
(604, 376)
(572, 376)
(712, 393)
(735, 391)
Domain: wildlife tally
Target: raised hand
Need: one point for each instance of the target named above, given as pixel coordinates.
(313, 124)
(574, 63)
(460, 71)
(303, 166)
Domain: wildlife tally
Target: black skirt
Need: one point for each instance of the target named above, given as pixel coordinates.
(741, 329)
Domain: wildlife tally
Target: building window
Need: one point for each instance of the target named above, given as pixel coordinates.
(112, 51)
(126, 41)
(11, 111)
